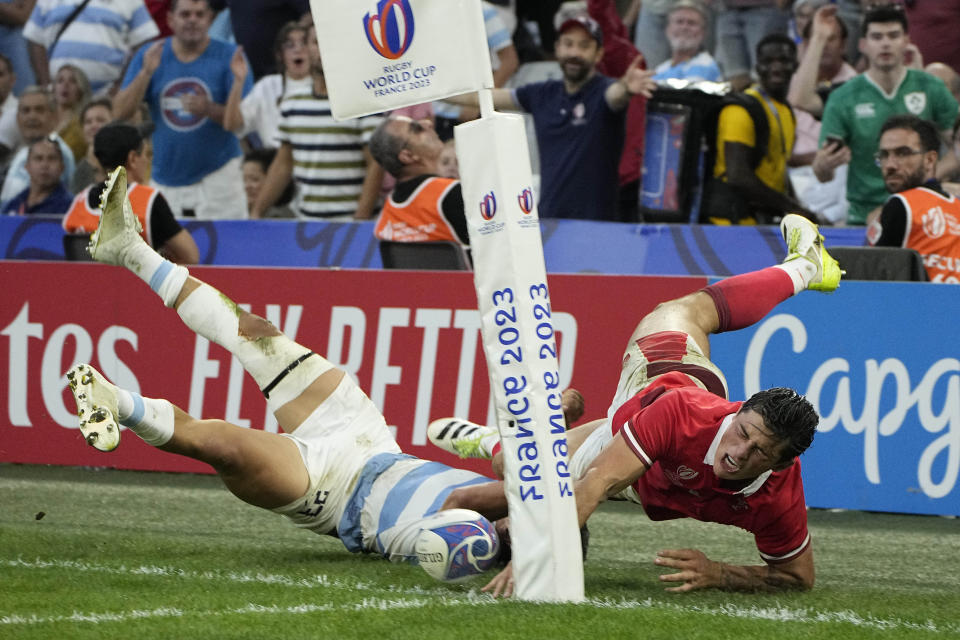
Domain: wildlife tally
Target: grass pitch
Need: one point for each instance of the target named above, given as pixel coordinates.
(115, 554)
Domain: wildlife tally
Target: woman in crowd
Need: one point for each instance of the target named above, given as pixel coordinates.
(71, 90)
(93, 116)
(259, 113)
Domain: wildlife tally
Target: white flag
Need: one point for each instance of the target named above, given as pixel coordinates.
(380, 55)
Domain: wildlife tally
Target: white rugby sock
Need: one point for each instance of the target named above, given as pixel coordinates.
(215, 317)
(801, 272)
(149, 418)
(487, 443)
(164, 277)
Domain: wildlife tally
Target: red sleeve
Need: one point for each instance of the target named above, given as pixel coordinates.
(652, 428)
(781, 535)
(618, 50)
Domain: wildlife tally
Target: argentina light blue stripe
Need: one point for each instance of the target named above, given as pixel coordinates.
(159, 275)
(400, 495)
(138, 410)
(348, 530)
(433, 508)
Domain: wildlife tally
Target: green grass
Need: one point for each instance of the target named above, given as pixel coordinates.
(148, 555)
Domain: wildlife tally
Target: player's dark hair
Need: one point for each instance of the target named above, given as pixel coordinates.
(386, 147)
(777, 38)
(5, 60)
(883, 13)
(929, 137)
(790, 417)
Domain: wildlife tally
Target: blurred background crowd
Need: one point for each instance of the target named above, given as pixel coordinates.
(693, 111)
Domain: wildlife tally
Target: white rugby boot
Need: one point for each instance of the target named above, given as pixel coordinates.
(460, 437)
(119, 228)
(96, 407)
(804, 242)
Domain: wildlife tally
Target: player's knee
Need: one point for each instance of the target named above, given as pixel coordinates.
(213, 442)
(253, 326)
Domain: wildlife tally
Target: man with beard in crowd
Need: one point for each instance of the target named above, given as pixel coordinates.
(920, 215)
(579, 123)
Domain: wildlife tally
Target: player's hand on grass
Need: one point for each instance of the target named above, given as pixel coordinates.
(502, 583)
(694, 569)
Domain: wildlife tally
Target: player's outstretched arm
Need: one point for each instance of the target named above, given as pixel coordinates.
(696, 571)
(487, 499)
(615, 469)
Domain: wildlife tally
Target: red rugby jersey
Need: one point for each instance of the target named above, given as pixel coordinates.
(675, 428)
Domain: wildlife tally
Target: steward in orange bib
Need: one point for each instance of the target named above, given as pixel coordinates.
(122, 145)
(920, 215)
(422, 207)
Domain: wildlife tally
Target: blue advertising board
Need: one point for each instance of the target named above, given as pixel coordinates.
(885, 378)
(569, 246)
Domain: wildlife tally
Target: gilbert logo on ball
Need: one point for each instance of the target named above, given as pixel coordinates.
(456, 545)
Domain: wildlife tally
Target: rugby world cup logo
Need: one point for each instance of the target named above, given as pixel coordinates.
(526, 200)
(390, 30)
(488, 206)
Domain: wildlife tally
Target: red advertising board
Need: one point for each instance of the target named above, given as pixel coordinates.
(411, 339)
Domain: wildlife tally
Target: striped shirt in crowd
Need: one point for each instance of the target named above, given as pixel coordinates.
(328, 162)
(98, 41)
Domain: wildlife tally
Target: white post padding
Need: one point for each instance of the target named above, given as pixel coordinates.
(520, 347)
(380, 55)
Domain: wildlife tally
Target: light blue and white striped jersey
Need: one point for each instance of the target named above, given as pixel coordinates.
(328, 162)
(700, 67)
(98, 41)
(393, 494)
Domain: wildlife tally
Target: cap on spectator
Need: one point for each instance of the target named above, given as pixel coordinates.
(696, 5)
(114, 142)
(586, 23)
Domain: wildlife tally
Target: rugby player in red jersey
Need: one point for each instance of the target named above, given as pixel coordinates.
(674, 444)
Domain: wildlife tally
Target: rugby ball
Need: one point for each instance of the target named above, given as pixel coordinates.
(457, 544)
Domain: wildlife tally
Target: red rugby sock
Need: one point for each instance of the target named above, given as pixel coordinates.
(745, 299)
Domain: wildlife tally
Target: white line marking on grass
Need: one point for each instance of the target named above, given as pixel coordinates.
(423, 596)
(251, 608)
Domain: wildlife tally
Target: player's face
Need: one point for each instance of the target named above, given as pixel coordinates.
(577, 53)
(884, 44)
(902, 162)
(747, 449)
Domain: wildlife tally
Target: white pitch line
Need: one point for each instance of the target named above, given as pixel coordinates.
(422, 597)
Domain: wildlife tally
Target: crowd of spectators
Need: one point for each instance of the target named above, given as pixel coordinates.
(238, 123)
